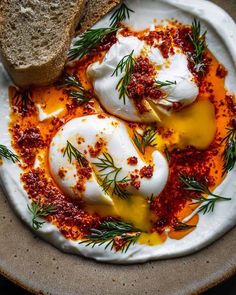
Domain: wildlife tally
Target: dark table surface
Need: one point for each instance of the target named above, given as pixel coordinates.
(226, 288)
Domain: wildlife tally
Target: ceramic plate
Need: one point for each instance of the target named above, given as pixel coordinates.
(39, 267)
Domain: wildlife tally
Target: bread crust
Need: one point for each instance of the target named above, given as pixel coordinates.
(94, 11)
(48, 69)
(45, 69)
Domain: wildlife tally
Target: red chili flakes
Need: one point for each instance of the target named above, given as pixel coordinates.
(135, 182)
(106, 44)
(30, 138)
(28, 141)
(69, 213)
(62, 173)
(57, 122)
(88, 109)
(161, 223)
(123, 185)
(80, 185)
(146, 172)
(231, 102)
(142, 84)
(96, 150)
(182, 40)
(80, 140)
(85, 172)
(119, 243)
(221, 71)
(101, 116)
(132, 161)
(162, 40)
(71, 108)
(190, 161)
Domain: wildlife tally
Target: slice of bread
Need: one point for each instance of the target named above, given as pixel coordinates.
(35, 36)
(94, 11)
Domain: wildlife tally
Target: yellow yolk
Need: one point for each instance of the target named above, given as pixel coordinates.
(192, 126)
(151, 239)
(134, 210)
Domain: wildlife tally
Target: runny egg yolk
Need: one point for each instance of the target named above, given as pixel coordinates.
(194, 126)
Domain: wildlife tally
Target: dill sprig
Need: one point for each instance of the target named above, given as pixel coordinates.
(89, 40)
(117, 234)
(40, 211)
(71, 152)
(230, 150)
(199, 43)
(110, 176)
(182, 226)
(150, 200)
(76, 92)
(70, 81)
(122, 13)
(8, 154)
(22, 99)
(207, 205)
(161, 84)
(145, 140)
(126, 66)
(167, 154)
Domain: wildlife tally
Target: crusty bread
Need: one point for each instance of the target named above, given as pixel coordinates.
(94, 11)
(35, 36)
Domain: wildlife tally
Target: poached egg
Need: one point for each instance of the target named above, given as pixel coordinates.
(175, 68)
(83, 133)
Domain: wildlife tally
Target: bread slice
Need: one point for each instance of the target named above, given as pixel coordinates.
(94, 11)
(35, 36)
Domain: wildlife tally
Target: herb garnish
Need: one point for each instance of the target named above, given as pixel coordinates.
(230, 150)
(167, 153)
(207, 204)
(161, 84)
(89, 40)
(71, 152)
(23, 100)
(150, 200)
(182, 226)
(117, 234)
(8, 154)
(77, 92)
(126, 66)
(199, 43)
(110, 176)
(40, 211)
(145, 140)
(122, 13)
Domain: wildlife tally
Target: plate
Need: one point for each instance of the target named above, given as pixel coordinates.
(39, 267)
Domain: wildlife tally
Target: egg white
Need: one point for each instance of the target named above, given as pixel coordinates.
(118, 145)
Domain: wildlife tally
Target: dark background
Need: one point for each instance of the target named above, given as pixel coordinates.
(226, 288)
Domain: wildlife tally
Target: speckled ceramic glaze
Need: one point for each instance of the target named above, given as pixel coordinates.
(39, 267)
